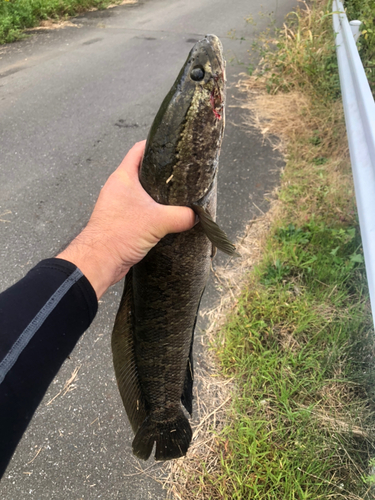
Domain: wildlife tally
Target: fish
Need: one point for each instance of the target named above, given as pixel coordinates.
(152, 339)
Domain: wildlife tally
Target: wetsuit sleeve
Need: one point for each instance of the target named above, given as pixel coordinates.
(41, 319)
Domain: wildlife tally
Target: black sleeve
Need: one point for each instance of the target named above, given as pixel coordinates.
(41, 319)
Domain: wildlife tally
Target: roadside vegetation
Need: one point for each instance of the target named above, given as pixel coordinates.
(298, 346)
(18, 15)
(364, 10)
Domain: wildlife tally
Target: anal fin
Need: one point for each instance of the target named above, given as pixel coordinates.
(187, 394)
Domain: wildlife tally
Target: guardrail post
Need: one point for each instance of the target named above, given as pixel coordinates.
(354, 26)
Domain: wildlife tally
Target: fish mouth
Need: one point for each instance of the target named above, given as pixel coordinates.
(214, 50)
(215, 43)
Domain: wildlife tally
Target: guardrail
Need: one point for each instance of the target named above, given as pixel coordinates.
(359, 109)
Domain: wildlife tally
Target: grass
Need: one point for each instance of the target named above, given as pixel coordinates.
(364, 11)
(299, 343)
(300, 346)
(18, 15)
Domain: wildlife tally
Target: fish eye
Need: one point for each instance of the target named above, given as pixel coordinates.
(197, 74)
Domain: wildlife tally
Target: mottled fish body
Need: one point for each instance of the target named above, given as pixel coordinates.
(153, 334)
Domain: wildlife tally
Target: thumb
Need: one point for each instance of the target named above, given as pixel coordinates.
(177, 219)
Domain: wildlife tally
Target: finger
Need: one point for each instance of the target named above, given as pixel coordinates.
(133, 159)
(178, 219)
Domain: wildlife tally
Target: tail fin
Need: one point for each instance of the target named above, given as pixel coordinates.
(172, 438)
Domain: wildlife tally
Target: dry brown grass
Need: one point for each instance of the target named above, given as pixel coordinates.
(50, 24)
(308, 134)
(291, 118)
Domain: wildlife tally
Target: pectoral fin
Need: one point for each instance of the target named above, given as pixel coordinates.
(214, 233)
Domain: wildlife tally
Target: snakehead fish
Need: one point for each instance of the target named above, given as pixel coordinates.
(153, 334)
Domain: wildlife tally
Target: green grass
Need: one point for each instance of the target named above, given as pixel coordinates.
(17, 15)
(300, 346)
(300, 343)
(364, 10)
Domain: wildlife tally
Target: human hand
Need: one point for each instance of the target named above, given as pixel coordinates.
(125, 224)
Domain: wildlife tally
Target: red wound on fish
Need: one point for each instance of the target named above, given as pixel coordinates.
(213, 104)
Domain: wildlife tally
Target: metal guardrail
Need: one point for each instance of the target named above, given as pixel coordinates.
(359, 109)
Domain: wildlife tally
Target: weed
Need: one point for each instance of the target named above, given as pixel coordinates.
(320, 160)
(250, 69)
(370, 478)
(305, 58)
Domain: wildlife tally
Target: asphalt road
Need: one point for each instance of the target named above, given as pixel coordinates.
(72, 102)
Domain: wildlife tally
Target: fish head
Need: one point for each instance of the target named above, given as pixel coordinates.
(183, 145)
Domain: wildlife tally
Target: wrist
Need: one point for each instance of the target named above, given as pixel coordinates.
(91, 255)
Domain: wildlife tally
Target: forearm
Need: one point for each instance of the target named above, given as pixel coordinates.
(41, 319)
